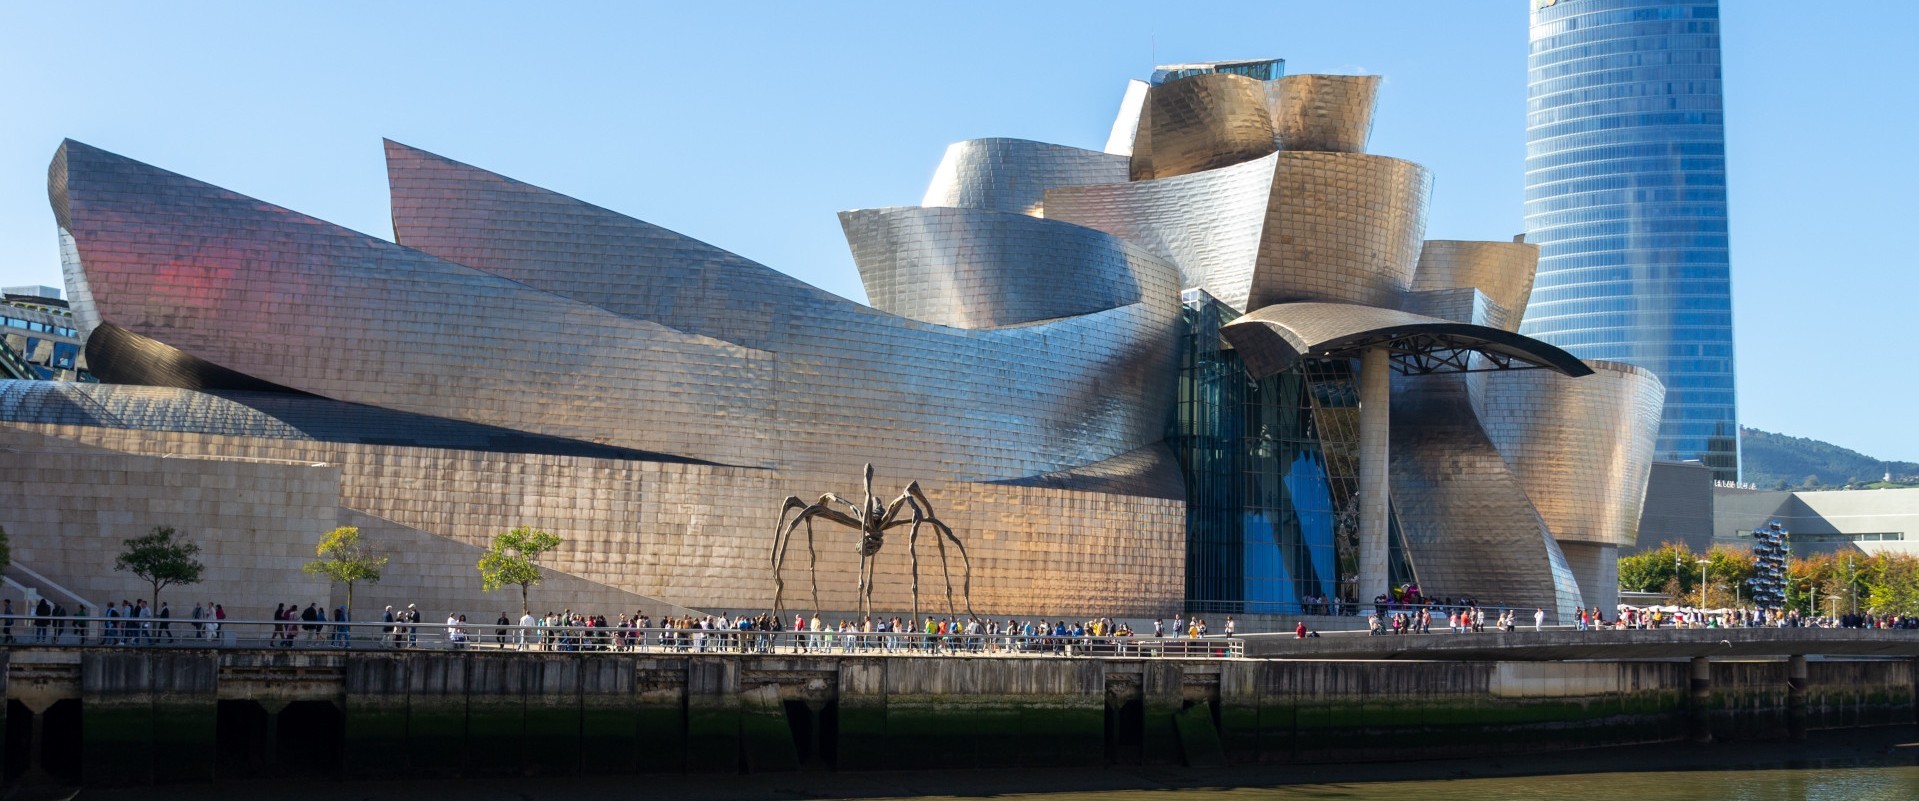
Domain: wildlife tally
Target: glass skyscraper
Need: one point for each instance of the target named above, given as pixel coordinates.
(1626, 198)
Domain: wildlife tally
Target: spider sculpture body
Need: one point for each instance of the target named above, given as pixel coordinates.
(872, 518)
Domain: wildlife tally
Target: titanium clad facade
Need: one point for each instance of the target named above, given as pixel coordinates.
(1208, 223)
(1502, 270)
(1289, 226)
(1126, 395)
(1332, 113)
(970, 268)
(1012, 175)
(1582, 447)
(1470, 527)
(1626, 198)
(1203, 122)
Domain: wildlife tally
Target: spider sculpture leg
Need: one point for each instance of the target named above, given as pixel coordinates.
(946, 531)
(946, 571)
(783, 537)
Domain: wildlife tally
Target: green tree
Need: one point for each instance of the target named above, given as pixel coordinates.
(1727, 574)
(1891, 584)
(1653, 571)
(345, 559)
(161, 560)
(510, 560)
(6, 550)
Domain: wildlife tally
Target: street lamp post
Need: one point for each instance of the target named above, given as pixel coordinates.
(1702, 582)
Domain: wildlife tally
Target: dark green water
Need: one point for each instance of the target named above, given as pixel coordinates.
(1825, 784)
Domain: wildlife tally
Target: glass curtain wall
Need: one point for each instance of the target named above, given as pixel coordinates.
(1262, 519)
(1626, 198)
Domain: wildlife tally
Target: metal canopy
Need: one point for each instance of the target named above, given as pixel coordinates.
(1274, 338)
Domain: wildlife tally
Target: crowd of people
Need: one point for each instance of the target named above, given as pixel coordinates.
(291, 626)
(128, 623)
(1654, 617)
(767, 633)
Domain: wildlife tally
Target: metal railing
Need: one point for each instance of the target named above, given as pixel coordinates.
(27, 630)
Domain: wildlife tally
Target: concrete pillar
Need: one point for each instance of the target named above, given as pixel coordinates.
(1796, 697)
(36, 773)
(270, 743)
(1375, 419)
(1701, 706)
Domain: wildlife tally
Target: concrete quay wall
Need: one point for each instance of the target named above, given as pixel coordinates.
(115, 716)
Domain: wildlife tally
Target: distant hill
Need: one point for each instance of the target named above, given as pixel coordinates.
(1777, 461)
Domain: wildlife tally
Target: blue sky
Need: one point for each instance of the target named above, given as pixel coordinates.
(749, 125)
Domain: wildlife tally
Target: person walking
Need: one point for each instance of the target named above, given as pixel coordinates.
(199, 613)
(1539, 619)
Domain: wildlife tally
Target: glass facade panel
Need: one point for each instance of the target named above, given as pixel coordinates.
(1271, 475)
(1625, 196)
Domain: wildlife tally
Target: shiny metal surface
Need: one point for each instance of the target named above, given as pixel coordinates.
(972, 268)
(1208, 223)
(1276, 337)
(1200, 123)
(1581, 447)
(522, 355)
(1332, 113)
(564, 320)
(1289, 226)
(1126, 124)
(1502, 270)
(573, 274)
(1461, 306)
(1469, 524)
(1342, 226)
(1013, 175)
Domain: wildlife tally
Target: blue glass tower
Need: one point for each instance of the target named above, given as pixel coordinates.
(1626, 198)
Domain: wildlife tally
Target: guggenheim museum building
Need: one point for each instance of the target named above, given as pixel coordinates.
(1215, 366)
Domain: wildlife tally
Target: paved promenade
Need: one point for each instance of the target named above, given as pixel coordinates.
(1560, 644)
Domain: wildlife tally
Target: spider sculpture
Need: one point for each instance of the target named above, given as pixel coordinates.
(872, 519)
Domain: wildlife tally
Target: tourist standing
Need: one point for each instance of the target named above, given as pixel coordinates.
(1539, 619)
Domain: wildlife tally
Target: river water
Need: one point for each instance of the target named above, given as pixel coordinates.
(1817, 784)
(1859, 765)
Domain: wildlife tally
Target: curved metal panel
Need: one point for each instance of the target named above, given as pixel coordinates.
(1502, 270)
(1201, 123)
(1469, 525)
(1012, 175)
(932, 400)
(1286, 227)
(1207, 223)
(1341, 226)
(302, 304)
(1126, 124)
(1583, 448)
(970, 268)
(1273, 338)
(274, 415)
(120, 356)
(1332, 113)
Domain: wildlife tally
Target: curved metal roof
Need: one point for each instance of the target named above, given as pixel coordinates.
(1275, 337)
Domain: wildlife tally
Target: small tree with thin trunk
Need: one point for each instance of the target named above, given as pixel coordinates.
(509, 560)
(161, 560)
(345, 559)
